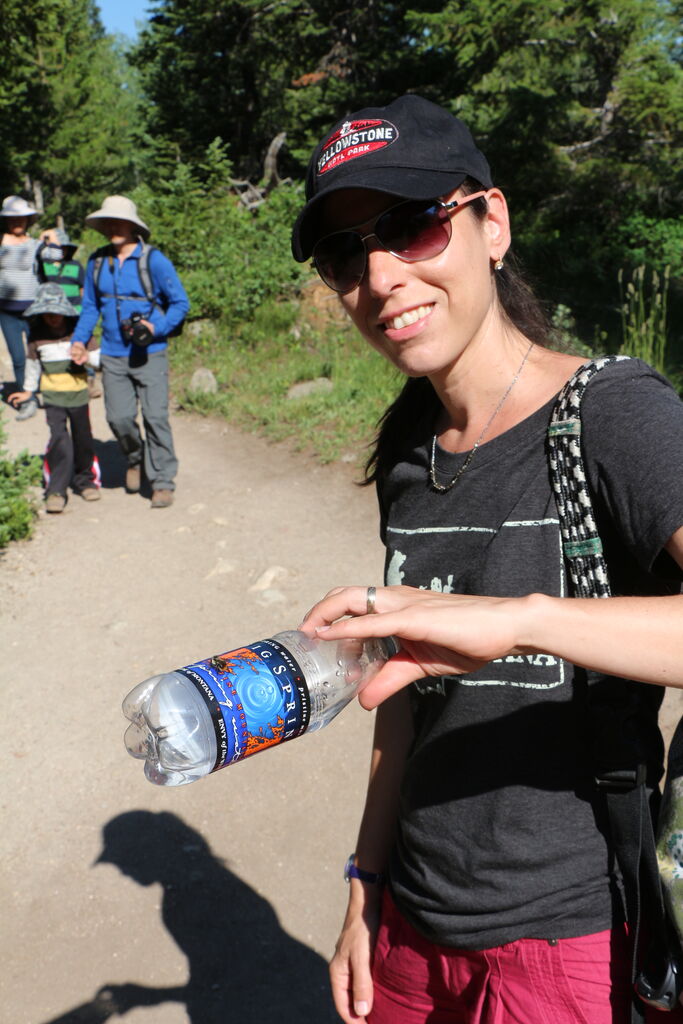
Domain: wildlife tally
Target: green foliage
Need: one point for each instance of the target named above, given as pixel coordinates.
(653, 242)
(564, 335)
(67, 110)
(17, 507)
(577, 106)
(92, 148)
(230, 260)
(230, 62)
(253, 395)
(644, 313)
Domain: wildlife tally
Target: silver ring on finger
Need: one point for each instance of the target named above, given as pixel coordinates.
(370, 601)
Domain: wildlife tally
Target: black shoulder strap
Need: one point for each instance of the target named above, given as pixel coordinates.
(98, 258)
(145, 272)
(147, 281)
(618, 775)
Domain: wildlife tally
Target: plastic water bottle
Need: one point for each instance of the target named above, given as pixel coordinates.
(213, 713)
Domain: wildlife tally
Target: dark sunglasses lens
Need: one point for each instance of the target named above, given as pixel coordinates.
(414, 231)
(340, 260)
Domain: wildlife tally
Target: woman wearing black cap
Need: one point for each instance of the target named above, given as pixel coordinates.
(501, 904)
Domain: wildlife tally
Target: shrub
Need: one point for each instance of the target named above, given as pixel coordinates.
(644, 314)
(17, 506)
(230, 259)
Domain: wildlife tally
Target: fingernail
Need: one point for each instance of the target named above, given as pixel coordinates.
(321, 629)
(361, 1008)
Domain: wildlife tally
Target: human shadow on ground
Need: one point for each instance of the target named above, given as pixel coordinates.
(243, 968)
(113, 466)
(112, 462)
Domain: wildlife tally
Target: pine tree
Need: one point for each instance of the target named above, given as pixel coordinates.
(67, 120)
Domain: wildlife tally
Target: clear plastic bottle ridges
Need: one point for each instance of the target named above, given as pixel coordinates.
(213, 713)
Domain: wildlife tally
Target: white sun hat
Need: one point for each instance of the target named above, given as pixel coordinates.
(117, 208)
(15, 206)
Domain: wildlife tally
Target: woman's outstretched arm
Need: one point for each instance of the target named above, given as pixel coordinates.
(450, 634)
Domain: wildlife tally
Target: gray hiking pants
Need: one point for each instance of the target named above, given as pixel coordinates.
(125, 386)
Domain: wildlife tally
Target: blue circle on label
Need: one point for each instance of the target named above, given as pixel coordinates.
(260, 696)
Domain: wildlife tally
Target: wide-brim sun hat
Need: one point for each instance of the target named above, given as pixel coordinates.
(50, 298)
(411, 148)
(117, 208)
(15, 206)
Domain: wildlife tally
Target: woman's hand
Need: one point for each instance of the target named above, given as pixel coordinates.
(350, 967)
(440, 634)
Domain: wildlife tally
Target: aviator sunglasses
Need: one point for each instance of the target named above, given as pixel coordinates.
(413, 230)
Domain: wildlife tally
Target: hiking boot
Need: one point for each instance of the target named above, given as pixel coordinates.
(27, 409)
(162, 499)
(133, 479)
(90, 494)
(55, 503)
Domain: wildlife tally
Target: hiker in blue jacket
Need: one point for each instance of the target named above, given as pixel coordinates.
(136, 291)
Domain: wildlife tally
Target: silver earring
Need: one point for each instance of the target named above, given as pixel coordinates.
(498, 265)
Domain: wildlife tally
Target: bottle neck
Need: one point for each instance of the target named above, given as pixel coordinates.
(391, 645)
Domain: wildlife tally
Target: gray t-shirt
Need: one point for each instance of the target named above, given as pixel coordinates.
(500, 836)
(18, 281)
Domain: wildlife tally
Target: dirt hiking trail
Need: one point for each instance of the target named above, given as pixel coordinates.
(221, 900)
(213, 903)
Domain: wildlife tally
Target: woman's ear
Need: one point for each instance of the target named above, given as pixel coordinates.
(497, 224)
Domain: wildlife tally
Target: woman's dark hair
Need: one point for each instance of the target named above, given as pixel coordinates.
(412, 415)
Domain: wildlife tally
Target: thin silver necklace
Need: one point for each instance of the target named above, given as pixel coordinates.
(442, 488)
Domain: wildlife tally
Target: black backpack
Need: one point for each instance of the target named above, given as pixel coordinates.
(620, 764)
(146, 280)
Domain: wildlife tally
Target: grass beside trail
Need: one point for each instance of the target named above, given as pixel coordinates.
(18, 505)
(255, 371)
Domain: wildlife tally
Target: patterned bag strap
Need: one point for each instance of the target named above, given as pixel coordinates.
(625, 792)
(581, 543)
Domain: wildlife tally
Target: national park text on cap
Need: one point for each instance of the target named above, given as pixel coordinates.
(410, 148)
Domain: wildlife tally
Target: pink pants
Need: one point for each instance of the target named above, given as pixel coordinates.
(532, 981)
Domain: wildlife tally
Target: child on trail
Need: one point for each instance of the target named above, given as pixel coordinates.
(58, 367)
(55, 264)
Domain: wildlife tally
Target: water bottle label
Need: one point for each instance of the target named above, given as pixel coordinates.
(257, 696)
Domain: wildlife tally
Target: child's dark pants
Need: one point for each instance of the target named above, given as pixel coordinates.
(69, 457)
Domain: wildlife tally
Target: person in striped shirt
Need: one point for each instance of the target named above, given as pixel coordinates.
(55, 264)
(18, 284)
(58, 368)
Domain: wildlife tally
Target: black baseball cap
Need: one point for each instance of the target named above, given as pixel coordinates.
(410, 148)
